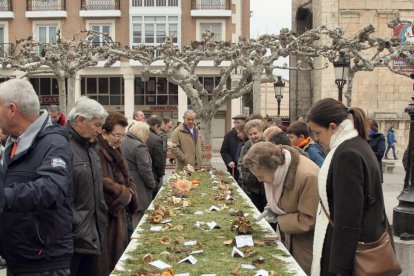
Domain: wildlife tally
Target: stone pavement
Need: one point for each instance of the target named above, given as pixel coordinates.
(392, 187)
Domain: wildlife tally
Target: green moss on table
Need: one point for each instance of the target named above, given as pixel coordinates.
(216, 258)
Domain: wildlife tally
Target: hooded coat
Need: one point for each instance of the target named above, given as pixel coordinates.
(36, 223)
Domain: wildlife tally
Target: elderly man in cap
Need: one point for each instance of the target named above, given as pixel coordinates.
(229, 147)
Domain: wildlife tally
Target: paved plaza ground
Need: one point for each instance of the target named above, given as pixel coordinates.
(392, 186)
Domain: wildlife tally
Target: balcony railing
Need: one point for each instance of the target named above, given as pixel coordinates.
(6, 5)
(155, 3)
(102, 43)
(210, 5)
(96, 5)
(201, 45)
(5, 49)
(42, 5)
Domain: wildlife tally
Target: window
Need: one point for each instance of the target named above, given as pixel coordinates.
(216, 28)
(209, 84)
(105, 90)
(155, 3)
(101, 28)
(47, 89)
(154, 29)
(137, 31)
(155, 91)
(45, 34)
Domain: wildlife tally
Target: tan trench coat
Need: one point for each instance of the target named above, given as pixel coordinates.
(185, 150)
(300, 201)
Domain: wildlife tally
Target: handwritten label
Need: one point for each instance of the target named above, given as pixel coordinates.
(244, 240)
(160, 264)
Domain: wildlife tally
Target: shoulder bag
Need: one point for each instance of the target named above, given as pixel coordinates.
(374, 258)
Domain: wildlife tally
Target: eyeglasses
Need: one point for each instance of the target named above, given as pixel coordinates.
(118, 136)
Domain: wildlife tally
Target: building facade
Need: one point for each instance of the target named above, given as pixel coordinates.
(129, 23)
(381, 94)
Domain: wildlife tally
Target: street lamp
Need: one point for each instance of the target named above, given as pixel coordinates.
(279, 85)
(341, 67)
(403, 214)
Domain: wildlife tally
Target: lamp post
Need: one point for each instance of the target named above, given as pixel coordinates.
(341, 67)
(403, 214)
(279, 85)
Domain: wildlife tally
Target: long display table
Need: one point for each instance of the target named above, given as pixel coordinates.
(202, 223)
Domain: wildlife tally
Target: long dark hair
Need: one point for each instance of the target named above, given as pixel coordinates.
(329, 110)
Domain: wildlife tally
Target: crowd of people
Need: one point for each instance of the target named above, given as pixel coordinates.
(318, 180)
(72, 190)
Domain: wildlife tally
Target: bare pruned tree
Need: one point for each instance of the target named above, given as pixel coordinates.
(63, 58)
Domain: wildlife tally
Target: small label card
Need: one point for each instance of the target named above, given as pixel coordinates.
(199, 213)
(182, 274)
(160, 264)
(197, 251)
(229, 197)
(189, 259)
(156, 228)
(190, 243)
(236, 252)
(244, 240)
(248, 266)
(214, 208)
(166, 220)
(213, 225)
(261, 272)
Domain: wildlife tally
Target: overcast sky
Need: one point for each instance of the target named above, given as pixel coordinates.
(269, 16)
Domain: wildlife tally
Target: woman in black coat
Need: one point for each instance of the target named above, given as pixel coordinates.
(377, 142)
(349, 188)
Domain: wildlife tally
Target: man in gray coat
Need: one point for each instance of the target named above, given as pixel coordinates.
(85, 122)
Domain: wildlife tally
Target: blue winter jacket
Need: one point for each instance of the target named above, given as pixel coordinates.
(390, 137)
(315, 153)
(36, 223)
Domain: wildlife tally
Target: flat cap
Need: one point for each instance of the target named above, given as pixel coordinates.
(239, 117)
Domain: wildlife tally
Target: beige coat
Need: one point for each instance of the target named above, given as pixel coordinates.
(300, 201)
(185, 150)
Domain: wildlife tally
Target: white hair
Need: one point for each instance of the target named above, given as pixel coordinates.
(21, 93)
(88, 109)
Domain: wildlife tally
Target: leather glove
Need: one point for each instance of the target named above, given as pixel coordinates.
(268, 215)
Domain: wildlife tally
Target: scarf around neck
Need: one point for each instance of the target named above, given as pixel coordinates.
(345, 131)
(274, 190)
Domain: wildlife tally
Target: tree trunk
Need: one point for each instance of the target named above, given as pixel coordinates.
(257, 82)
(206, 123)
(62, 94)
(71, 91)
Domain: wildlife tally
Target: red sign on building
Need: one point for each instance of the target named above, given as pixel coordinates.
(49, 100)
